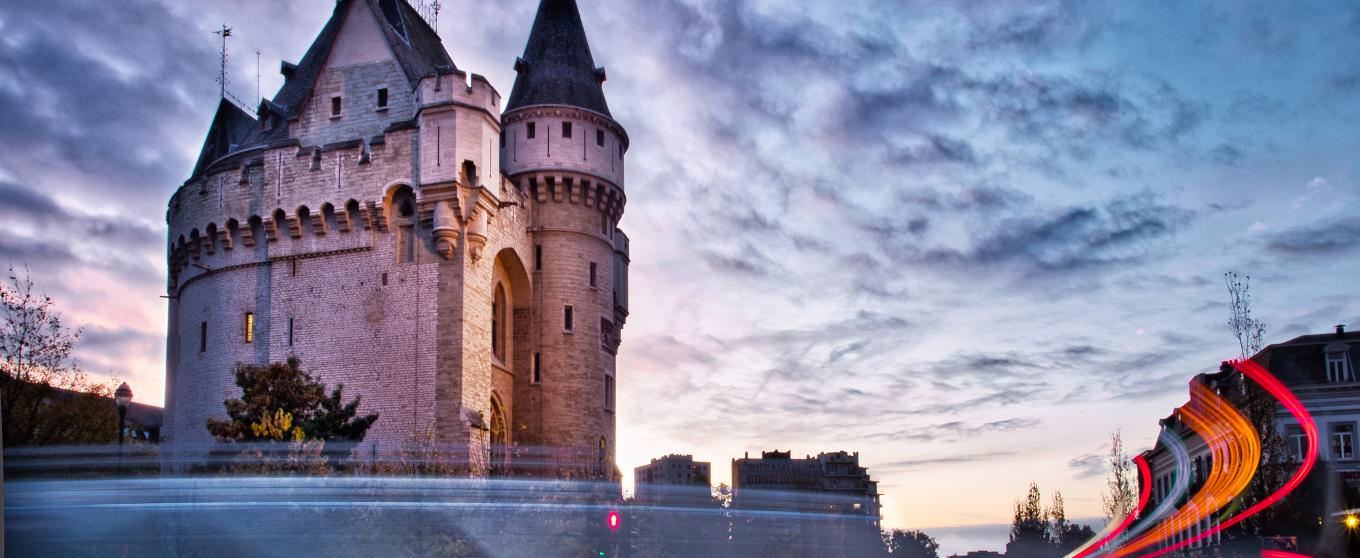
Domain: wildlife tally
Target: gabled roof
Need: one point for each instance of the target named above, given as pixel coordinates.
(557, 68)
(415, 45)
(1303, 360)
(228, 132)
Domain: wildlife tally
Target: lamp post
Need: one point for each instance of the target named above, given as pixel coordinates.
(122, 396)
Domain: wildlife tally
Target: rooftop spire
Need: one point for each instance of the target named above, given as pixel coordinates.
(557, 68)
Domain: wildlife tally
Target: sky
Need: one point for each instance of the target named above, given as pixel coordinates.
(968, 240)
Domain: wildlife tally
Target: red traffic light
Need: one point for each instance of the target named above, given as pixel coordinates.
(613, 521)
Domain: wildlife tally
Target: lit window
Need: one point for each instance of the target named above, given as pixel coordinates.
(1338, 369)
(566, 129)
(335, 106)
(250, 327)
(567, 321)
(382, 98)
(1343, 441)
(531, 131)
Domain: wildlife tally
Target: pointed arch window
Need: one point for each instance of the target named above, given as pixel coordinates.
(498, 321)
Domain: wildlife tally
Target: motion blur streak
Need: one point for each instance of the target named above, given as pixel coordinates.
(1145, 473)
(1276, 389)
(1282, 554)
(1234, 456)
(1180, 478)
(1235, 450)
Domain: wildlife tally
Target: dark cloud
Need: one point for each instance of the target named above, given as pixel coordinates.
(910, 464)
(956, 430)
(1335, 236)
(1088, 466)
(100, 91)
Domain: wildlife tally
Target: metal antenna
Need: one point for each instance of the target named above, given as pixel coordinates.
(434, 16)
(258, 98)
(222, 75)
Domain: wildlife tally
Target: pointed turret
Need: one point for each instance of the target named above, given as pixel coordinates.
(557, 68)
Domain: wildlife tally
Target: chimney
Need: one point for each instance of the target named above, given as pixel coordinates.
(1340, 330)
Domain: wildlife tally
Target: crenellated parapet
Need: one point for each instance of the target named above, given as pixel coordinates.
(576, 189)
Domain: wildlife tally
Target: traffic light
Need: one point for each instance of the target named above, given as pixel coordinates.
(613, 521)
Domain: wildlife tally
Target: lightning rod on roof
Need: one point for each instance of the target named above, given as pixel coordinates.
(222, 71)
(258, 98)
(429, 12)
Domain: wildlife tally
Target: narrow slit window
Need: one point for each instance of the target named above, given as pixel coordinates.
(592, 274)
(335, 106)
(567, 319)
(538, 257)
(202, 337)
(530, 130)
(536, 375)
(382, 98)
(290, 332)
(566, 129)
(608, 392)
(250, 327)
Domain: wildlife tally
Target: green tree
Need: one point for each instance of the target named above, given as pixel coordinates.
(45, 397)
(912, 544)
(283, 387)
(1031, 534)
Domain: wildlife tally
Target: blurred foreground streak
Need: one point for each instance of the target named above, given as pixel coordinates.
(85, 501)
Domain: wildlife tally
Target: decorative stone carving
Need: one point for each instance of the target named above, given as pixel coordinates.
(445, 230)
(476, 234)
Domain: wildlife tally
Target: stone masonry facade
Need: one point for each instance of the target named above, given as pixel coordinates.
(384, 222)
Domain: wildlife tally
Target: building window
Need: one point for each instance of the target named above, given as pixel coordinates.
(335, 106)
(250, 327)
(566, 129)
(498, 323)
(567, 319)
(1298, 444)
(382, 98)
(290, 332)
(1343, 441)
(502, 139)
(538, 257)
(592, 274)
(531, 130)
(1338, 369)
(608, 392)
(202, 337)
(536, 375)
(406, 220)
(599, 138)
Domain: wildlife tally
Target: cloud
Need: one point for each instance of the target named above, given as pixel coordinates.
(1088, 466)
(1335, 236)
(911, 464)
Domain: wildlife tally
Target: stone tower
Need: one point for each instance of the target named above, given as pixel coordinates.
(561, 146)
(458, 269)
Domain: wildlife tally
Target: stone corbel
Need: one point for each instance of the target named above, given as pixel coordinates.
(476, 233)
(445, 230)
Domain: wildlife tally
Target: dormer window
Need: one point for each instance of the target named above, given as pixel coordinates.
(1338, 369)
(335, 106)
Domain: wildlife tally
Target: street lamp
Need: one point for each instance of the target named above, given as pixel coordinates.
(122, 396)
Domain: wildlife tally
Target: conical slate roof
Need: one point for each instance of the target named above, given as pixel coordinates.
(557, 68)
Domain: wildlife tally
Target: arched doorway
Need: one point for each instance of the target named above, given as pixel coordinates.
(500, 437)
